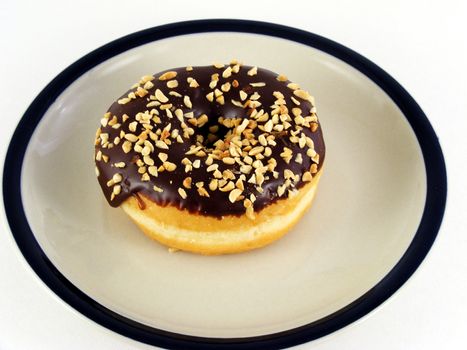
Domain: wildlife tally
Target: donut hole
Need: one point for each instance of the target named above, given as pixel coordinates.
(214, 130)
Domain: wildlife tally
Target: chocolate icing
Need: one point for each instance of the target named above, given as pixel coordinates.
(218, 204)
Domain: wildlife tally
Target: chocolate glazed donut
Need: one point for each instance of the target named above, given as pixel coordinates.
(211, 142)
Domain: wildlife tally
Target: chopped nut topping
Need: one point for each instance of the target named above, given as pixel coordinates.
(306, 177)
(243, 95)
(227, 72)
(117, 189)
(268, 126)
(250, 214)
(236, 103)
(225, 87)
(229, 187)
(124, 101)
(187, 101)
(212, 167)
(196, 164)
(193, 83)
(310, 152)
(157, 189)
(304, 95)
(294, 100)
(148, 160)
(234, 194)
(220, 100)
(126, 146)
(187, 182)
(99, 156)
(202, 192)
(131, 137)
(161, 144)
(213, 184)
(169, 166)
(162, 156)
(217, 92)
(174, 93)
(281, 77)
(299, 158)
(293, 86)
(256, 150)
(182, 193)
(146, 78)
(168, 75)
(314, 168)
(141, 92)
(152, 170)
(228, 160)
(161, 97)
(253, 71)
(148, 85)
(281, 190)
(172, 84)
(244, 142)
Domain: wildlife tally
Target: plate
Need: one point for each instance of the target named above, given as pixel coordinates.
(377, 212)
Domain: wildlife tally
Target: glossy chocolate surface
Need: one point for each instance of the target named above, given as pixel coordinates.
(110, 153)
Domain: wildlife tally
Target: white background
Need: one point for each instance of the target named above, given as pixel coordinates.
(422, 44)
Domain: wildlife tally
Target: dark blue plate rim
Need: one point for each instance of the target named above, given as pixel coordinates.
(412, 258)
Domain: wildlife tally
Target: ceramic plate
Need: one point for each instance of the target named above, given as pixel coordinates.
(377, 212)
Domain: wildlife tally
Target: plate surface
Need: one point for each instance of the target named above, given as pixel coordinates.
(375, 216)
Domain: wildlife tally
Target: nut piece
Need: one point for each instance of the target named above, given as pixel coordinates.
(304, 95)
(172, 84)
(124, 101)
(243, 95)
(160, 96)
(210, 96)
(229, 187)
(187, 182)
(169, 166)
(227, 72)
(213, 184)
(168, 75)
(148, 85)
(187, 101)
(234, 194)
(281, 77)
(253, 71)
(228, 160)
(157, 189)
(202, 192)
(161, 144)
(293, 86)
(182, 193)
(306, 177)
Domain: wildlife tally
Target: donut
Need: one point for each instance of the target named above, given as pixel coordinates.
(212, 159)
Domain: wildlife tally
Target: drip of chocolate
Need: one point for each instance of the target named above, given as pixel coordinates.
(214, 140)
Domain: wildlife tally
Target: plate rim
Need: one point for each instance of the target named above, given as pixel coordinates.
(414, 255)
